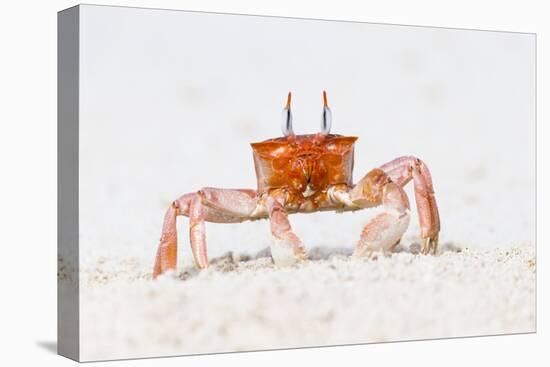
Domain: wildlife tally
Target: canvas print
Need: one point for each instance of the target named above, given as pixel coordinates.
(237, 183)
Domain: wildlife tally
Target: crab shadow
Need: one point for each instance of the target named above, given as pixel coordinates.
(231, 262)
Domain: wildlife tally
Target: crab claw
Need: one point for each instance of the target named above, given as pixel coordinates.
(287, 250)
(286, 247)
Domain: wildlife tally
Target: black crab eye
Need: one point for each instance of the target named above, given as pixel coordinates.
(326, 117)
(286, 121)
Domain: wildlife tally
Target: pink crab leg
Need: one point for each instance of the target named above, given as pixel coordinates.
(167, 250)
(402, 170)
(286, 248)
(197, 232)
(384, 231)
(206, 205)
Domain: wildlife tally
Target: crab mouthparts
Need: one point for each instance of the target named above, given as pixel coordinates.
(307, 163)
(308, 191)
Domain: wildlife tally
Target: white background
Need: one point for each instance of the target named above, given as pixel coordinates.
(187, 93)
(28, 151)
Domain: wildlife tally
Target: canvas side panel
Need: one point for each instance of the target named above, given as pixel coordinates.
(67, 186)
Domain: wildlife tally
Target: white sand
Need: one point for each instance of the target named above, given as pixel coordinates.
(250, 305)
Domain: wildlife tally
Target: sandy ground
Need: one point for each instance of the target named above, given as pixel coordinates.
(249, 304)
(482, 282)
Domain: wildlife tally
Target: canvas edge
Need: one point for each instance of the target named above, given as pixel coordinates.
(68, 305)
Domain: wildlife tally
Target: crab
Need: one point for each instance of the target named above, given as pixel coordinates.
(305, 174)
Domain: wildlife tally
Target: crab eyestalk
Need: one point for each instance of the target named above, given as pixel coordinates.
(286, 122)
(326, 118)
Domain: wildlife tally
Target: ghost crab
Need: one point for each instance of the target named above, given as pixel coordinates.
(303, 174)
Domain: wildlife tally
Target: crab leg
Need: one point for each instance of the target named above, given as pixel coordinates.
(197, 232)
(167, 252)
(286, 248)
(402, 170)
(206, 205)
(384, 231)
